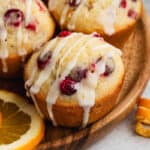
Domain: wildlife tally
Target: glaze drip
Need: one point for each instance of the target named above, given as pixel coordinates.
(4, 52)
(85, 88)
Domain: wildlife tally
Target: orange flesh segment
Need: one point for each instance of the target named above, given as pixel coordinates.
(143, 118)
(13, 114)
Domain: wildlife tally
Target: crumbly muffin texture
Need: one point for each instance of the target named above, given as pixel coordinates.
(74, 68)
(24, 26)
(106, 17)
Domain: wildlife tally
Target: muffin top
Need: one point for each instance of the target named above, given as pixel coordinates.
(24, 26)
(103, 16)
(74, 67)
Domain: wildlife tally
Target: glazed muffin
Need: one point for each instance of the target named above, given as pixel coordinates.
(113, 19)
(74, 79)
(24, 26)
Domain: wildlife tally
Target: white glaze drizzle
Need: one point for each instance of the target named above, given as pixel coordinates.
(54, 88)
(36, 105)
(31, 79)
(86, 95)
(107, 20)
(4, 51)
(108, 16)
(21, 51)
(29, 82)
(67, 54)
(86, 90)
(71, 25)
(98, 47)
(28, 11)
(43, 76)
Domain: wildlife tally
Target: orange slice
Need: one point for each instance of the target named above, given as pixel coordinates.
(143, 118)
(21, 126)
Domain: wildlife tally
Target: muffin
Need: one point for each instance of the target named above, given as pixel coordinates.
(24, 26)
(113, 19)
(75, 78)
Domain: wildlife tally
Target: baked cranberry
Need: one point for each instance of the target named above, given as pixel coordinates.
(132, 14)
(110, 66)
(123, 3)
(43, 61)
(93, 65)
(92, 68)
(40, 5)
(74, 3)
(31, 26)
(67, 87)
(97, 35)
(13, 17)
(78, 74)
(64, 33)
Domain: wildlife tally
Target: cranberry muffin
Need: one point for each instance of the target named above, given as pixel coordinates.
(75, 78)
(113, 19)
(24, 26)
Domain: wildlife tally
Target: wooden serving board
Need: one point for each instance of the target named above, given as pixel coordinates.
(136, 56)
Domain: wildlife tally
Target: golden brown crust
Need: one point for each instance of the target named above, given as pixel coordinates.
(71, 115)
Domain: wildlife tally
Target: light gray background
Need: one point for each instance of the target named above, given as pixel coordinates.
(122, 137)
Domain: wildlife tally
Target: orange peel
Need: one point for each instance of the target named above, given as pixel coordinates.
(142, 126)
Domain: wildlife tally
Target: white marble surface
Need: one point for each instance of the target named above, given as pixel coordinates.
(122, 137)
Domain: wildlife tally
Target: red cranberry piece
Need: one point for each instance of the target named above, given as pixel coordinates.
(43, 61)
(92, 68)
(14, 17)
(110, 66)
(64, 33)
(132, 14)
(31, 26)
(97, 35)
(123, 3)
(67, 87)
(78, 74)
(40, 5)
(74, 3)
